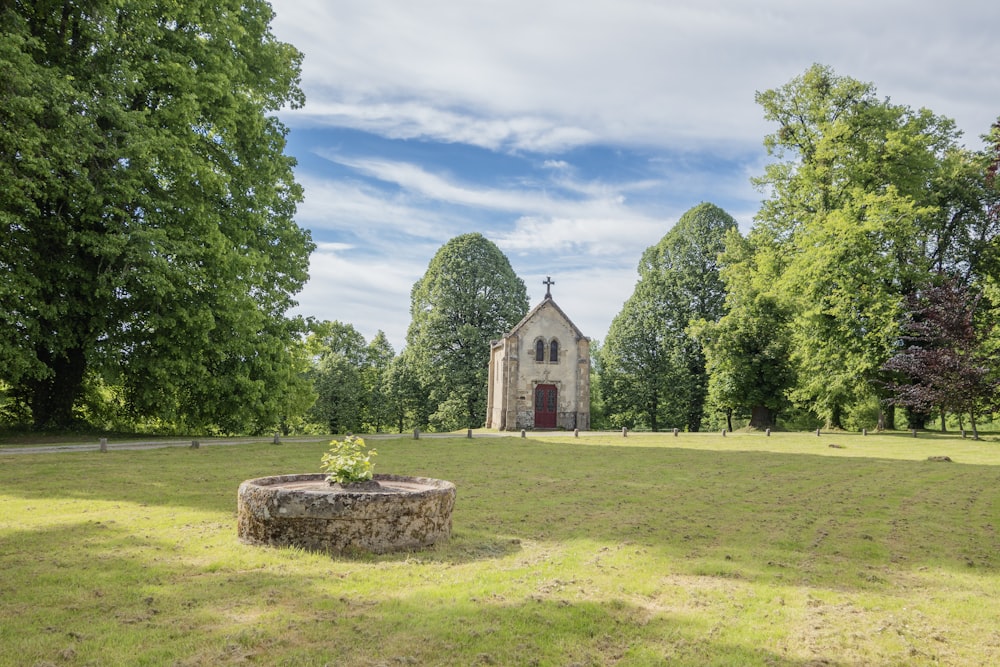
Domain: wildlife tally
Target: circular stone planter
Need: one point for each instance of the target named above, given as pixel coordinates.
(307, 511)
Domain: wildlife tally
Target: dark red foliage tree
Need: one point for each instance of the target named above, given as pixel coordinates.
(941, 363)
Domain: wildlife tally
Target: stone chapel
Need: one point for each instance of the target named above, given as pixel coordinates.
(539, 376)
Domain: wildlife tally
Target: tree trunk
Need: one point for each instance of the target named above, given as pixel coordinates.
(943, 424)
(761, 417)
(836, 418)
(915, 420)
(729, 419)
(890, 418)
(52, 398)
(975, 432)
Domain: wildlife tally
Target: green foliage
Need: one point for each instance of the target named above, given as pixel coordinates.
(348, 461)
(146, 206)
(378, 412)
(468, 296)
(653, 371)
(350, 378)
(408, 403)
(747, 350)
(867, 200)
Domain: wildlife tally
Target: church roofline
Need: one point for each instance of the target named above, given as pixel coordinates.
(548, 300)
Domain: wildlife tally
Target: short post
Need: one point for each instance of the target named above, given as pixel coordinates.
(817, 433)
(676, 431)
(277, 438)
(914, 432)
(576, 433)
(104, 445)
(864, 431)
(195, 444)
(416, 434)
(523, 434)
(468, 434)
(963, 432)
(723, 433)
(624, 431)
(767, 432)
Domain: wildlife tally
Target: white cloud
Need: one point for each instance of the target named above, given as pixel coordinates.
(371, 294)
(531, 75)
(364, 211)
(596, 237)
(418, 120)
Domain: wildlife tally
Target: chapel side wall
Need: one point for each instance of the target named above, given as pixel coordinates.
(583, 384)
(494, 387)
(500, 414)
(511, 365)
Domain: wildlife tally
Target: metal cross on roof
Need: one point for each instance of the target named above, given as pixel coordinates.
(548, 282)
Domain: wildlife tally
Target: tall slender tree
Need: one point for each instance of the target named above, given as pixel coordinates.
(653, 370)
(469, 296)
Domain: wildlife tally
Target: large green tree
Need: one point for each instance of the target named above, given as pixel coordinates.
(469, 296)
(867, 199)
(652, 368)
(146, 207)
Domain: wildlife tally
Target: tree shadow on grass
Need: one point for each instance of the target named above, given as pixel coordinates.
(93, 593)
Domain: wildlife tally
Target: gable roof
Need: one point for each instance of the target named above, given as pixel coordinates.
(548, 301)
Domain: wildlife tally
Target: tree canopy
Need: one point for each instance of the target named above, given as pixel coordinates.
(146, 206)
(653, 370)
(468, 296)
(867, 200)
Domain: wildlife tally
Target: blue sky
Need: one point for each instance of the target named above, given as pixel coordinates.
(572, 134)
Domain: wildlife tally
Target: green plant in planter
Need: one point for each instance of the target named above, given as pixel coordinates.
(348, 461)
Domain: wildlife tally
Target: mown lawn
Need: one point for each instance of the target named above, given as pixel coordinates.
(650, 550)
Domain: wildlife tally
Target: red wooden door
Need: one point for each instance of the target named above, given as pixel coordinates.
(546, 405)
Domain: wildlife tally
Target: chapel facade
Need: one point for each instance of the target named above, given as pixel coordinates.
(539, 375)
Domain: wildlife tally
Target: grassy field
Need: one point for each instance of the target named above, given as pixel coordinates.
(650, 550)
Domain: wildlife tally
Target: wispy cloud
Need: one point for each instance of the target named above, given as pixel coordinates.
(417, 120)
(537, 76)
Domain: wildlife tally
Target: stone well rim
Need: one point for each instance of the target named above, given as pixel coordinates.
(316, 484)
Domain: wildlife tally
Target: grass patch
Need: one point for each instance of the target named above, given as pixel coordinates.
(601, 550)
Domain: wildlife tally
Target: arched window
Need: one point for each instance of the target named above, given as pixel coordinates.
(554, 351)
(540, 350)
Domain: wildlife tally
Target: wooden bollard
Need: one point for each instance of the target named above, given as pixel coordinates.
(576, 433)
(104, 445)
(416, 434)
(864, 431)
(914, 432)
(676, 431)
(767, 432)
(817, 433)
(523, 433)
(195, 444)
(723, 433)
(624, 431)
(468, 434)
(277, 439)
